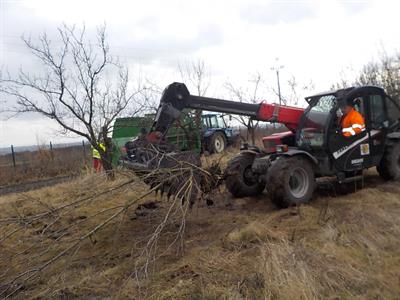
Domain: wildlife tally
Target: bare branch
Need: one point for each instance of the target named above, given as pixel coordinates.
(76, 86)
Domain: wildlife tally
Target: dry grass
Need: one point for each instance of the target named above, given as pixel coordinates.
(43, 164)
(335, 247)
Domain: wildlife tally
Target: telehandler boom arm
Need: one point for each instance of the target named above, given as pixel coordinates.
(176, 97)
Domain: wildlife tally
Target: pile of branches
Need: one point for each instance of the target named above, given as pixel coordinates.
(52, 234)
(169, 171)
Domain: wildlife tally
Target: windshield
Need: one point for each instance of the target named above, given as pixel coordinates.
(316, 118)
(205, 122)
(213, 121)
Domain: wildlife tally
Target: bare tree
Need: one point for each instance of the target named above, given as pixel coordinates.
(384, 73)
(296, 90)
(80, 86)
(196, 75)
(150, 96)
(249, 95)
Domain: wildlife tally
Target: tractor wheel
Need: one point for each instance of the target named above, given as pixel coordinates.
(240, 180)
(389, 167)
(290, 181)
(217, 143)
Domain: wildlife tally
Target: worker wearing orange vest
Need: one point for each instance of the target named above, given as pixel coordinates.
(352, 121)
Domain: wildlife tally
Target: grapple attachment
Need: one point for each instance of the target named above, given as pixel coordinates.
(175, 174)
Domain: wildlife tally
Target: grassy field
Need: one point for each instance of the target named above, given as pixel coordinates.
(42, 164)
(345, 244)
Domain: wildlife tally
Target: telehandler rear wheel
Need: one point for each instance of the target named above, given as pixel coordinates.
(290, 181)
(389, 167)
(240, 180)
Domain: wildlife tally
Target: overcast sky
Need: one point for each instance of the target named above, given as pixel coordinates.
(314, 40)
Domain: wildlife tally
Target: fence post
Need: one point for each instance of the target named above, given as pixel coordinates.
(13, 156)
(84, 151)
(51, 151)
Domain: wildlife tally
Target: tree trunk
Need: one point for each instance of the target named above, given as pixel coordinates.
(196, 137)
(252, 135)
(250, 132)
(108, 167)
(106, 158)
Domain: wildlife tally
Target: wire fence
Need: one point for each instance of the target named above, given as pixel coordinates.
(21, 155)
(19, 164)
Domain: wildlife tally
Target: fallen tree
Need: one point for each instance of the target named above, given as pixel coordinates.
(53, 233)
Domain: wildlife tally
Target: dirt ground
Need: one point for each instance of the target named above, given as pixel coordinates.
(345, 244)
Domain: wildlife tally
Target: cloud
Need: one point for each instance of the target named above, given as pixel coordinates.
(163, 36)
(24, 131)
(354, 7)
(274, 12)
(169, 48)
(314, 39)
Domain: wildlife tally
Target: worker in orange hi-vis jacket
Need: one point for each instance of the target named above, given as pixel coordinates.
(352, 121)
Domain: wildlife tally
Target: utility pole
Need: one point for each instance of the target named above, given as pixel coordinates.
(276, 68)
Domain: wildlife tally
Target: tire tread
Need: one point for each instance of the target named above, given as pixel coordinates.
(234, 182)
(277, 179)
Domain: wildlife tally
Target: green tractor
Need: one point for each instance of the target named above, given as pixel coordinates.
(124, 130)
(212, 135)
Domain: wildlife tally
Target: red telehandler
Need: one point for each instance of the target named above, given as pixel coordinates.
(291, 161)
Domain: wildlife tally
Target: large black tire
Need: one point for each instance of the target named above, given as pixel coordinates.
(389, 167)
(240, 180)
(217, 143)
(290, 181)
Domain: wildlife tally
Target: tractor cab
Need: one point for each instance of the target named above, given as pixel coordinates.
(213, 121)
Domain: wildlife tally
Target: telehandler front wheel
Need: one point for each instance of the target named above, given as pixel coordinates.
(290, 181)
(240, 180)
